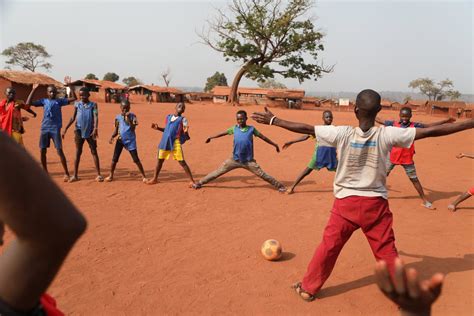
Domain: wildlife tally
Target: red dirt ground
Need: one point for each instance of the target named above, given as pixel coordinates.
(167, 249)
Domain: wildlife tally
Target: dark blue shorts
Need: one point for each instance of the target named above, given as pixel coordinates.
(46, 136)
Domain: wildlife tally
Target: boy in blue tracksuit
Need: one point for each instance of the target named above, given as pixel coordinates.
(86, 115)
(125, 124)
(242, 156)
(175, 134)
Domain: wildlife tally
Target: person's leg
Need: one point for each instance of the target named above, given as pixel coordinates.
(337, 232)
(377, 226)
(44, 162)
(227, 165)
(79, 145)
(410, 170)
(156, 173)
(117, 152)
(459, 199)
(253, 167)
(58, 144)
(44, 142)
(302, 175)
(178, 155)
(187, 170)
(95, 156)
(136, 160)
(390, 167)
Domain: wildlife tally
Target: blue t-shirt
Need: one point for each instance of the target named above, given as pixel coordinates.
(85, 118)
(243, 144)
(52, 116)
(415, 124)
(127, 134)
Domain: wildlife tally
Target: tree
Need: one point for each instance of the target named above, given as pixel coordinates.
(407, 99)
(435, 91)
(271, 84)
(111, 76)
(267, 37)
(217, 79)
(91, 76)
(166, 75)
(28, 56)
(132, 81)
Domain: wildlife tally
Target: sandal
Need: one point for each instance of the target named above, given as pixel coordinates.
(66, 178)
(73, 179)
(99, 178)
(308, 297)
(428, 205)
(196, 186)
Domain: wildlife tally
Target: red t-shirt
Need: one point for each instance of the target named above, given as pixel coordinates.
(402, 156)
(6, 116)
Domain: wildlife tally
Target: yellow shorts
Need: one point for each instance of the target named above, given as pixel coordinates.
(17, 137)
(177, 152)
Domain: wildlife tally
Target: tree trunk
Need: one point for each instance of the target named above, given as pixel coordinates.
(233, 96)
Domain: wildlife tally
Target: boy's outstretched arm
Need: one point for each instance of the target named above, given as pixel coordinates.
(114, 134)
(157, 127)
(269, 141)
(208, 140)
(448, 120)
(267, 116)
(72, 97)
(445, 129)
(462, 155)
(46, 226)
(380, 121)
(73, 118)
(291, 142)
(30, 96)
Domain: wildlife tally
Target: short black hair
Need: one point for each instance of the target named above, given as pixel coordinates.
(241, 112)
(405, 109)
(125, 102)
(327, 111)
(11, 89)
(84, 89)
(368, 101)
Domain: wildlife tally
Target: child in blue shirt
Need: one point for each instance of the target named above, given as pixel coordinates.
(86, 115)
(242, 156)
(125, 124)
(52, 123)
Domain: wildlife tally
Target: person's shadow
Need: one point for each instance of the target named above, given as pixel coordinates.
(426, 268)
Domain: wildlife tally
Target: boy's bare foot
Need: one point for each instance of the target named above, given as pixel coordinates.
(144, 180)
(73, 179)
(151, 181)
(99, 178)
(289, 191)
(452, 207)
(428, 205)
(66, 178)
(282, 189)
(109, 179)
(196, 186)
(191, 184)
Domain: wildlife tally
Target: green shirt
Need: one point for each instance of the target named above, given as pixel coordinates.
(230, 131)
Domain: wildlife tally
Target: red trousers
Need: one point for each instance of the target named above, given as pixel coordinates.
(373, 215)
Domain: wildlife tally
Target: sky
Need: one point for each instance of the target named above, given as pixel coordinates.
(381, 45)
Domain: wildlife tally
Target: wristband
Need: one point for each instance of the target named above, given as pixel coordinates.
(272, 119)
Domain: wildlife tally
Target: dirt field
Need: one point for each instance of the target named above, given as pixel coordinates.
(166, 249)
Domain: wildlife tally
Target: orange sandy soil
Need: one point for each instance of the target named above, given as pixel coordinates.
(167, 249)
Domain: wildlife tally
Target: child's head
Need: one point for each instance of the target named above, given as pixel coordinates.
(405, 115)
(10, 94)
(84, 94)
(241, 118)
(367, 104)
(180, 108)
(125, 106)
(327, 117)
(51, 92)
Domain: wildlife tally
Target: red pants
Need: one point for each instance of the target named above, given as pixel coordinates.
(373, 215)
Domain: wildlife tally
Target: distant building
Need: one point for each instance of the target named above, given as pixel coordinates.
(101, 90)
(158, 94)
(22, 82)
(288, 98)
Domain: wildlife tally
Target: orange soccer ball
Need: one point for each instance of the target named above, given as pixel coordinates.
(271, 249)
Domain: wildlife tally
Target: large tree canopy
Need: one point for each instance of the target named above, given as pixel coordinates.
(28, 56)
(271, 84)
(111, 76)
(91, 76)
(131, 81)
(217, 79)
(435, 91)
(268, 37)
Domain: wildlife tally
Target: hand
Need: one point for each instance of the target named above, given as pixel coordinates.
(286, 145)
(154, 126)
(34, 115)
(35, 86)
(111, 141)
(461, 155)
(208, 140)
(95, 133)
(406, 290)
(451, 120)
(277, 148)
(263, 117)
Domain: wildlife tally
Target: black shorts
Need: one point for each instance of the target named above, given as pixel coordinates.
(118, 151)
(80, 141)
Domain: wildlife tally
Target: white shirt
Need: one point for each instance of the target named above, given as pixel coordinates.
(362, 156)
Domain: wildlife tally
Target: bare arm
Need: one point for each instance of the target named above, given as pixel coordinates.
(380, 121)
(300, 139)
(72, 97)
(445, 129)
(265, 118)
(269, 141)
(114, 134)
(73, 118)
(30, 96)
(157, 127)
(95, 132)
(448, 120)
(46, 226)
(462, 155)
(208, 140)
(29, 110)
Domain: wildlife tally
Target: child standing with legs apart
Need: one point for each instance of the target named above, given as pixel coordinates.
(242, 156)
(324, 154)
(175, 134)
(452, 207)
(125, 124)
(359, 185)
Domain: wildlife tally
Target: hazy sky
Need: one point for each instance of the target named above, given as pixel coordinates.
(373, 44)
